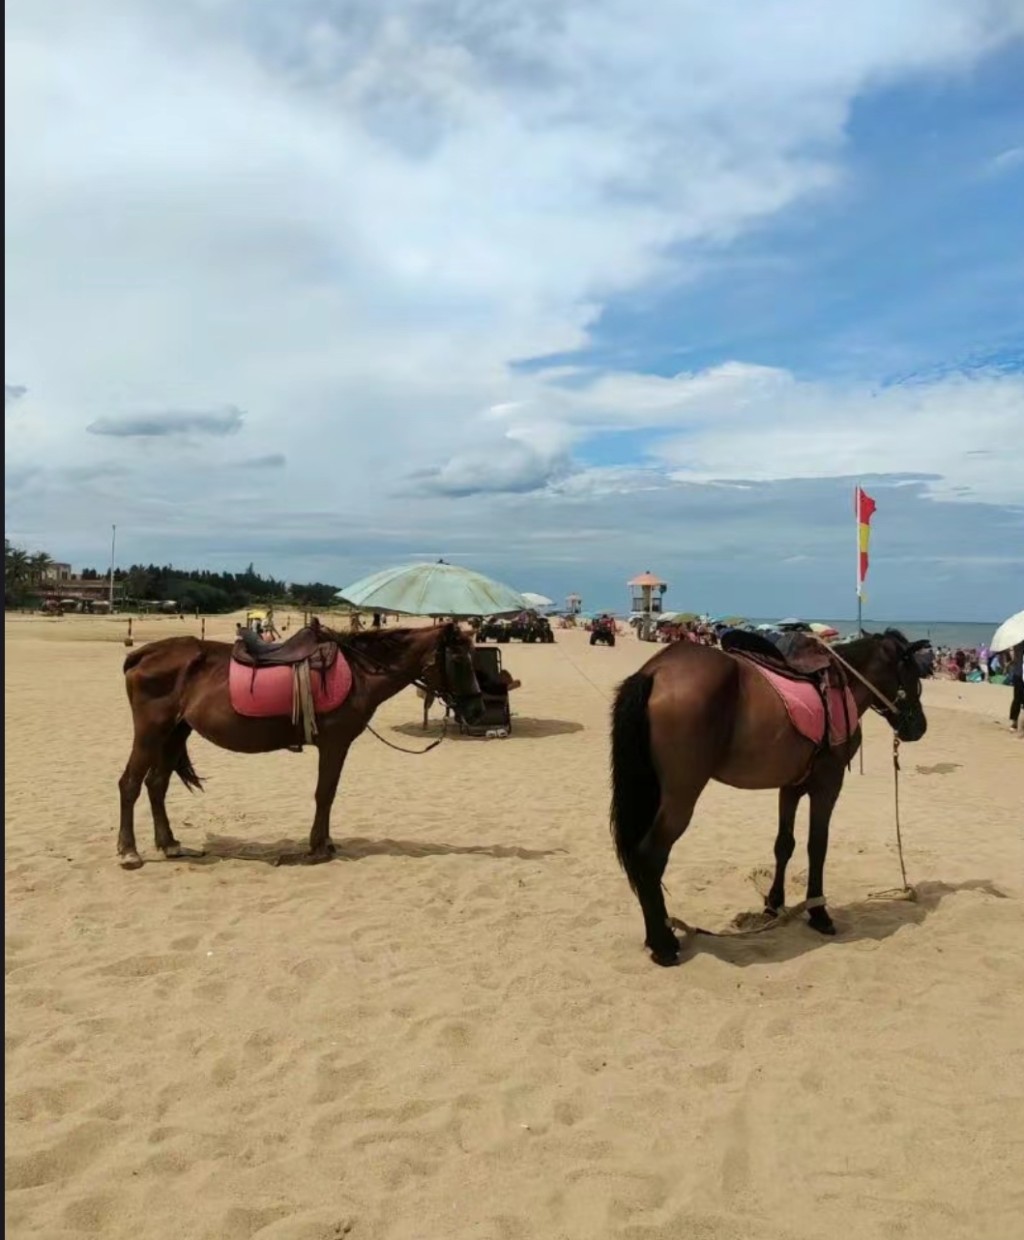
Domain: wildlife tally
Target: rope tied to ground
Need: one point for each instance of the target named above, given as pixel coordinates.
(904, 892)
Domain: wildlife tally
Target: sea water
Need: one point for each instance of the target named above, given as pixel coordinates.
(960, 635)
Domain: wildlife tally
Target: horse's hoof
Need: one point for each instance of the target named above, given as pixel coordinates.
(176, 850)
(819, 920)
(666, 955)
(130, 861)
(773, 913)
(319, 857)
(666, 960)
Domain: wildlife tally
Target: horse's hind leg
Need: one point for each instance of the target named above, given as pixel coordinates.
(789, 800)
(145, 751)
(673, 818)
(157, 782)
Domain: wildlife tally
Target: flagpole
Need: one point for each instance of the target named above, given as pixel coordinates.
(860, 595)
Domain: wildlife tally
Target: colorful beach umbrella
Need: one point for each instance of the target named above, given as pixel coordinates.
(433, 590)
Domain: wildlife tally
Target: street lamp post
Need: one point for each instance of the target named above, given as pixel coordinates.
(113, 547)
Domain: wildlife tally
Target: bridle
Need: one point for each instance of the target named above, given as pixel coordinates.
(873, 689)
(443, 648)
(893, 707)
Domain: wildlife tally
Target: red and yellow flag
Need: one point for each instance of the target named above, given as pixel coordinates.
(865, 508)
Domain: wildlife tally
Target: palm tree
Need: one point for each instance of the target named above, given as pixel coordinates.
(38, 566)
(16, 573)
(15, 565)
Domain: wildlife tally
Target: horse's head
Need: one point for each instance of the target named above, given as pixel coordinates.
(894, 670)
(450, 674)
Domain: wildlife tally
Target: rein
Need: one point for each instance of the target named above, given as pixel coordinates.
(863, 679)
(418, 682)
(416, 753)
(906, 891)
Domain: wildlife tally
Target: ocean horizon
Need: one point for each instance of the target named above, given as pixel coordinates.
(966, 634)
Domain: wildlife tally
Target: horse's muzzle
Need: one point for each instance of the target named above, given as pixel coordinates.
(472, 708)
(911, 727)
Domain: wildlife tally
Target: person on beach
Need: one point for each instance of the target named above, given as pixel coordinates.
(1017, 681)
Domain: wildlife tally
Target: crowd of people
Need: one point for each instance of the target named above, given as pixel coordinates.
(975, 665)
(983, 665)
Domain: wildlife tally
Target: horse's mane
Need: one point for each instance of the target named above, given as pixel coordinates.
(378, 644)
(860, 644)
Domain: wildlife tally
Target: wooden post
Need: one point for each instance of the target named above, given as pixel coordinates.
(202, 629)
(129, 640)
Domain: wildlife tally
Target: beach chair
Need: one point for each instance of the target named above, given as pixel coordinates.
(496, 713)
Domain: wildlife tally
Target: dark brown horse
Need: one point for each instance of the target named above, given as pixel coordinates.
(692, 714)
(180, 685)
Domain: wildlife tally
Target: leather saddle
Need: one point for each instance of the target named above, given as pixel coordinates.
(307, 645)
(802, 659)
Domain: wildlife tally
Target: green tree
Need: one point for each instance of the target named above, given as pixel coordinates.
(23, 572)
(16, 570)
(38, 566)
(314, 594)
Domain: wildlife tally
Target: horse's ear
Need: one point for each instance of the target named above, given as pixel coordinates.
(921, 645)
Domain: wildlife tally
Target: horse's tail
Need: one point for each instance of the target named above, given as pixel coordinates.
(184, 769)
(636, 789)
(165, 677)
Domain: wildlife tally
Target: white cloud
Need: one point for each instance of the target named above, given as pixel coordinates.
(1005, 161)
(738, 422)
(350, 218)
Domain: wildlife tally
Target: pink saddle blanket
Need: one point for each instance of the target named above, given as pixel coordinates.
(807, 712)
(266, 692)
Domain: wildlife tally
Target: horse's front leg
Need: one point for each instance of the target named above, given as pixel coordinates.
(789, 800)
(823, 800)
(332, 755)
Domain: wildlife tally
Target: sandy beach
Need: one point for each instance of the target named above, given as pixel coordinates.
(452, 1031)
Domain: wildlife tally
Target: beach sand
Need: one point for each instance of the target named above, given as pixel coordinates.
(453, 1031)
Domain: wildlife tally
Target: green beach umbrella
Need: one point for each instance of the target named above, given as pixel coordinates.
(433, 590)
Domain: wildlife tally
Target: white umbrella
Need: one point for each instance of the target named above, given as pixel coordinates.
(537, 600)
(433, 590)
(1009, 634)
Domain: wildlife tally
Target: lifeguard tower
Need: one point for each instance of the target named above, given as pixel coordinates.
(573, 605)
(647, 593)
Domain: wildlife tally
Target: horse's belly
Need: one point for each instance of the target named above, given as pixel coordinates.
(766, 760)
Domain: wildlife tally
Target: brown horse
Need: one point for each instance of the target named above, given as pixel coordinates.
(692, 714)
(180, 685)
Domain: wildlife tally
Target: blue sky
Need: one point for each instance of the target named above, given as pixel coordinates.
(914, 260)
(554, 289)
